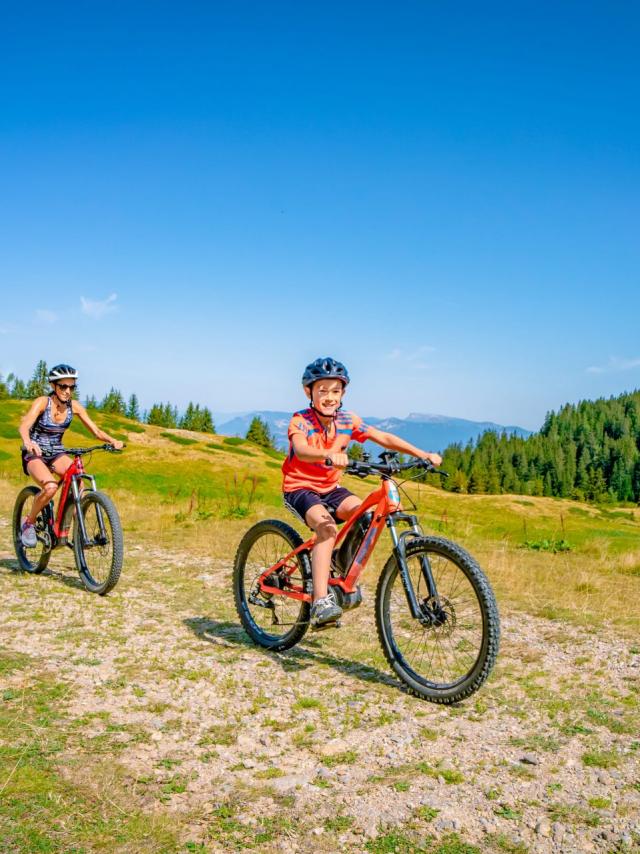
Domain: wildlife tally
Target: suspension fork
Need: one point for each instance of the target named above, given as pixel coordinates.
(400, 552)
(77, 491)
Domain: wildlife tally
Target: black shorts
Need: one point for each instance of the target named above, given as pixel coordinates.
(47, 459)
(302, 500)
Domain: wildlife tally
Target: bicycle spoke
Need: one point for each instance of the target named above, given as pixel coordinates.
(272, 619)
(440, 654)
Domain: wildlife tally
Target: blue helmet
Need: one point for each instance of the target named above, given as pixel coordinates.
(325, 369)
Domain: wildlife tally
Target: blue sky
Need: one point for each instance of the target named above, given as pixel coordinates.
(200, 198)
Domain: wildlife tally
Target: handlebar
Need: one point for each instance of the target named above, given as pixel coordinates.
(79, 452)
(388, 467)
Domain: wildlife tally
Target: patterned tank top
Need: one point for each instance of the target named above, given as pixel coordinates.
(47, 432)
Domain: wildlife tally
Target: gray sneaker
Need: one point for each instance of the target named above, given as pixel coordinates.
(28, 535)
(325, 611)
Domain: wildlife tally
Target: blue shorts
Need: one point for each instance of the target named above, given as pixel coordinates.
(302, 500)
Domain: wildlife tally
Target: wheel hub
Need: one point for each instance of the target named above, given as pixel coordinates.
(438, 612)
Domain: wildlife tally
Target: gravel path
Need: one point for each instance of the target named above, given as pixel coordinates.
(166, 687)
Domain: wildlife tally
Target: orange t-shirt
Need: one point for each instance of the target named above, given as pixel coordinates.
(318, 476)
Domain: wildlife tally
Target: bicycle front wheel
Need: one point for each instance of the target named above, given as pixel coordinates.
(99, 557)
(273, 621)
(30, 559)
(447, 652)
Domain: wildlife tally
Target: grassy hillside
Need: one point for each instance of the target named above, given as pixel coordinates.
(546, 556)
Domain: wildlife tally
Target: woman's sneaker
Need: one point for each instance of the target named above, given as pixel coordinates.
(28, 535)
(324, 611)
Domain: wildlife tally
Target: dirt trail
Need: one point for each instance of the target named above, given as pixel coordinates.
(163, 682)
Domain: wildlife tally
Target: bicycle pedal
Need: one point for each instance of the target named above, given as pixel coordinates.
(335, 624)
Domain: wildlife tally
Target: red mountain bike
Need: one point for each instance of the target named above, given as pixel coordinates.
(97, 533)
(436, 613)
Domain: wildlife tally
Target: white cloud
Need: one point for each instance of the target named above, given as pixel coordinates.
(44, 315)
(98, 308)
(615, 365)
(411, 358)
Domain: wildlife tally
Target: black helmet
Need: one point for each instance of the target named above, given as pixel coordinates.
(325, 369)
(62, 372)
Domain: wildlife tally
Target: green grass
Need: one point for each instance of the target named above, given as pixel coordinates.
(601, 758)
(347, 757)
(40, 810)
(179, 440)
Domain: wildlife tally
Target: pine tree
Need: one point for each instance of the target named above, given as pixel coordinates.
(156, 415)
(163, 415)
(206, 421)
(133, 408)
(188, 421)
(19, 389)
(259, 433)
(459, 481)
(113, 402)
(39, 384)
(197, 419)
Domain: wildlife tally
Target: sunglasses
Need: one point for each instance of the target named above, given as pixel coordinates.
(67, 387)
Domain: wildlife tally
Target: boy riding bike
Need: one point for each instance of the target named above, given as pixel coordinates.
(318, 441)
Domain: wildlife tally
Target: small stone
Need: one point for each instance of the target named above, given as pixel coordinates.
(370, 827)
(558, 831)
(530, 759)
(543, 828)
(318, 831)
(289, 782)
(334, 747)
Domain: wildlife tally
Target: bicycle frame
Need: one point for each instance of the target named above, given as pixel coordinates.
(71, 484)
(387, 510)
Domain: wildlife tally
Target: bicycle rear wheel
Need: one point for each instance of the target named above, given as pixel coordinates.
(447, 653)
(31, 559)
(99, 559)
(273, 621)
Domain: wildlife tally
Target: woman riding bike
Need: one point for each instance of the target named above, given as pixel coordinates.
(41, 431)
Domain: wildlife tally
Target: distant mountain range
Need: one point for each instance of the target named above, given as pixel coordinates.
(429, 432)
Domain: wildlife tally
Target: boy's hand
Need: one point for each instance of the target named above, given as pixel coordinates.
(117, 444)
(434, 459)
(341, 461)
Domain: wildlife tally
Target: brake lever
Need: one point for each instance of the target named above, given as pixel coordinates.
(433, 470)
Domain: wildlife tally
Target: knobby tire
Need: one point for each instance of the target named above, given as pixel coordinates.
(278, 622)
(417, 653)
